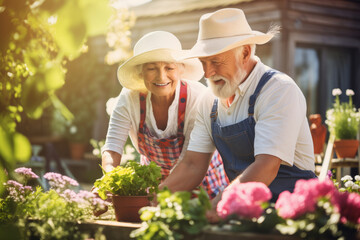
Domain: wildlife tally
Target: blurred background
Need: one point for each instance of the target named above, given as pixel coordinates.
(59, 60)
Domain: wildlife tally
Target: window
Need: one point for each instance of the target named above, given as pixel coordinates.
(318, 70)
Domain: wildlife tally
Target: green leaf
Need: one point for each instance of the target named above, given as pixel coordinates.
(34, 96)
(22, 148)
(99, 8)
(60, 106)
(70, 29)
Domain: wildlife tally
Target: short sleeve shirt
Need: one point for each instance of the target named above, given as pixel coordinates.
(281, 129)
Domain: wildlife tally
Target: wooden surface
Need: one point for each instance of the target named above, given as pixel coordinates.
(121, 230)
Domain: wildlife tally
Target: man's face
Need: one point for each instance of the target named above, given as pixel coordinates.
(224, 73)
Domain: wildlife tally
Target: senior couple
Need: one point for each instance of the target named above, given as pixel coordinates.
(250, 122)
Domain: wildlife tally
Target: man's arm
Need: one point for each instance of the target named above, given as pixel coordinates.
(263, 169)
(189, 173)
(110, 159)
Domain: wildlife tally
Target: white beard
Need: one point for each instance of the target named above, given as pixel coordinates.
(227, 89)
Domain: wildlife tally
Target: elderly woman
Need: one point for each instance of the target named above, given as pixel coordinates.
(157, 108)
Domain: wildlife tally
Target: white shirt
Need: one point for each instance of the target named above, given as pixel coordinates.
(281, 129)
(125, 119)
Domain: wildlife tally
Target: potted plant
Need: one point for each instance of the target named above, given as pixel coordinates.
(76, 131)
(130, 187)
(343, 122)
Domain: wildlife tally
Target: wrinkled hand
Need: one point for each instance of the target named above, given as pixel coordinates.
(95, 211)
(212, 215)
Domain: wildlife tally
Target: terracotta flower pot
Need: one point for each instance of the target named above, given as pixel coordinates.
(127, 207)
(346, 148)
(77, 150)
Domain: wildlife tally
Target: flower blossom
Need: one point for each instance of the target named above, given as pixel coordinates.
(349, 92)
(58, 181)
(336, 92)
(26, 172)
(349, 184)
(304, 198)
(244, 200)
(346, 178)
(349, 207)
(17, 191)
(357, 178)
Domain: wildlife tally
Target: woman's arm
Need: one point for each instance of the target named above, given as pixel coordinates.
(110, 159)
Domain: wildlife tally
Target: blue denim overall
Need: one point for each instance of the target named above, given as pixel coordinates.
(236, 146)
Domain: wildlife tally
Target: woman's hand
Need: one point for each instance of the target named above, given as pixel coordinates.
(97, 212)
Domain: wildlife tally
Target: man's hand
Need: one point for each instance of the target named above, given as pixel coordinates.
(212, 215)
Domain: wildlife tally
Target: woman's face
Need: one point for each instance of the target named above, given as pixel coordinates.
(161, 78)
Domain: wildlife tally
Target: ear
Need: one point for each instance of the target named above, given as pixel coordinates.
(246, 53)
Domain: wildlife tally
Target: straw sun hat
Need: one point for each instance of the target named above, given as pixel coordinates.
(226, 29)
(158, 46)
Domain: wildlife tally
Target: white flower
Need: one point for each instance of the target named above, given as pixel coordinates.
(349, 92)
(346, 178)
(349, 184)
(96, 151)
(111, 104)
(357, 178)
(355, 187)
(336, 92)
(73, 129)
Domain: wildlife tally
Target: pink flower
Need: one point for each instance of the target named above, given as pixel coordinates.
(244, 200)
(349, 206)
(304, 198)
(26, 172)
(59, 182)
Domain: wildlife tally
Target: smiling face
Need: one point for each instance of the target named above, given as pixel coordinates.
(224, 73)
(161, 78)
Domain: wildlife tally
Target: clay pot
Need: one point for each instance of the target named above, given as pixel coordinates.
(346, 148)
(318, 133)
(127, 207)
(77, 150)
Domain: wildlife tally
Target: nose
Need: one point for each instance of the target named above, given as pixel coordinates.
(209, 70)
(162, 74)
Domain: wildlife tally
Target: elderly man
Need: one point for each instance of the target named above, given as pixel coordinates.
(257, 118)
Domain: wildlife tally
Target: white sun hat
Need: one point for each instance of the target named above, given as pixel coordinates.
(223, 30)
(158, 46)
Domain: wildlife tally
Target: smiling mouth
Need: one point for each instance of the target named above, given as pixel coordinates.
(161, 84)
(218, 81)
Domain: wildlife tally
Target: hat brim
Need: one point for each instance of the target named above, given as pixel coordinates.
(131, 79)
(213, 46)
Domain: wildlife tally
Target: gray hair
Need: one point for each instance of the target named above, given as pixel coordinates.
(239, 50)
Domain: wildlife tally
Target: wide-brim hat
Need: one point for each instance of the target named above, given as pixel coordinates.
(158, 46)
(223, 30)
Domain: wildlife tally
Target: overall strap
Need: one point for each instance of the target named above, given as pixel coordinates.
(182, 106)
(214, 112)
(264, 79)
(142, 110)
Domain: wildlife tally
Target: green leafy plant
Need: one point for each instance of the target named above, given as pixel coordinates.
(46, 214)
(133, 179)
(343, 119)
(37, 39)
(177, 216)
